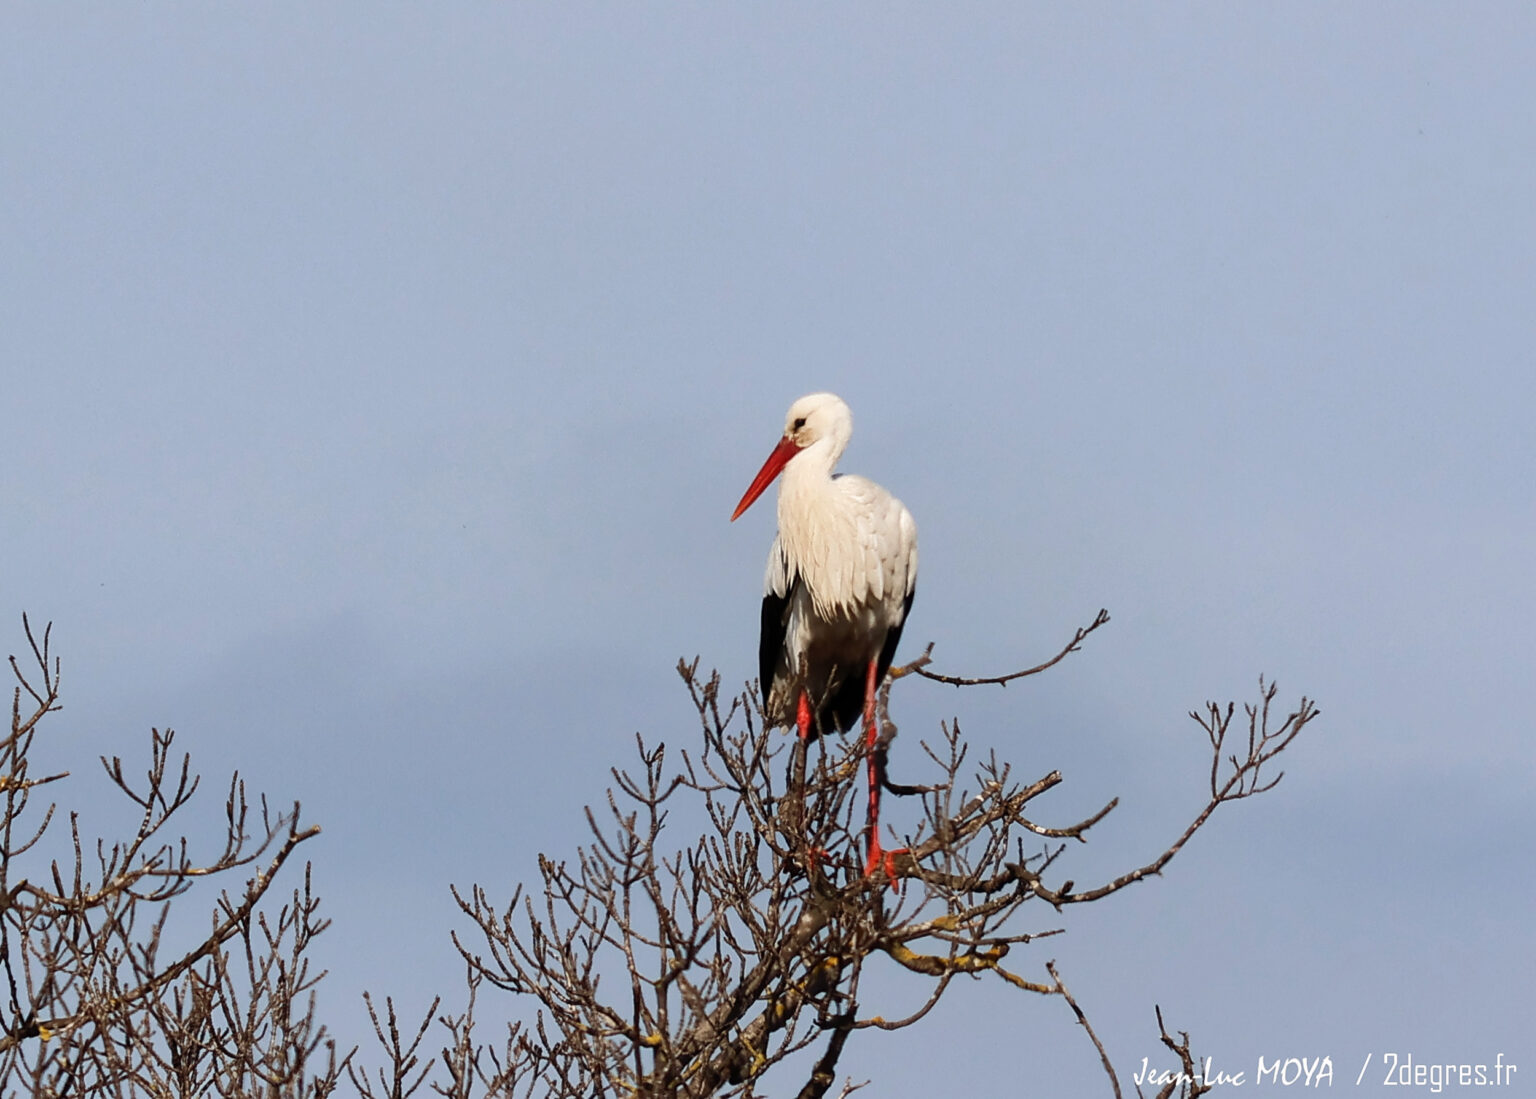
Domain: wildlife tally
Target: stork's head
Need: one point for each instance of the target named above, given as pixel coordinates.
(816, 417)
(816, 420)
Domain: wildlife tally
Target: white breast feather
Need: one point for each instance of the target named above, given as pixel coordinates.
(857, 558)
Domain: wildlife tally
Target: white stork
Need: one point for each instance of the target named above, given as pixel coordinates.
(841, 575)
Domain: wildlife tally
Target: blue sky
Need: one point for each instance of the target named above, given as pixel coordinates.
(378, 381)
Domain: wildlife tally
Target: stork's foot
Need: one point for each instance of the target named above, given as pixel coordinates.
(884, 862)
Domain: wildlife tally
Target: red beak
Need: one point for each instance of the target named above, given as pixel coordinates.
(781, 455)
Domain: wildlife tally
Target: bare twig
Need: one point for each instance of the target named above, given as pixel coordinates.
(1189, 1081)
(920, 665)
(1061, 988)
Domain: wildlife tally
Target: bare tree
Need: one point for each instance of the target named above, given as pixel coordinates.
(97, 998)
(699, 967)
(710, 940)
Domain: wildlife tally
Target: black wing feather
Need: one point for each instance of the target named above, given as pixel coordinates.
(892, 639)
(770, 646)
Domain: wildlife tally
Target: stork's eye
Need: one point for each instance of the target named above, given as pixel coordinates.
(798, 424)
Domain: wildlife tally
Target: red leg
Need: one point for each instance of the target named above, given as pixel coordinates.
(879, 859)
(871, 740)
(813, 855)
